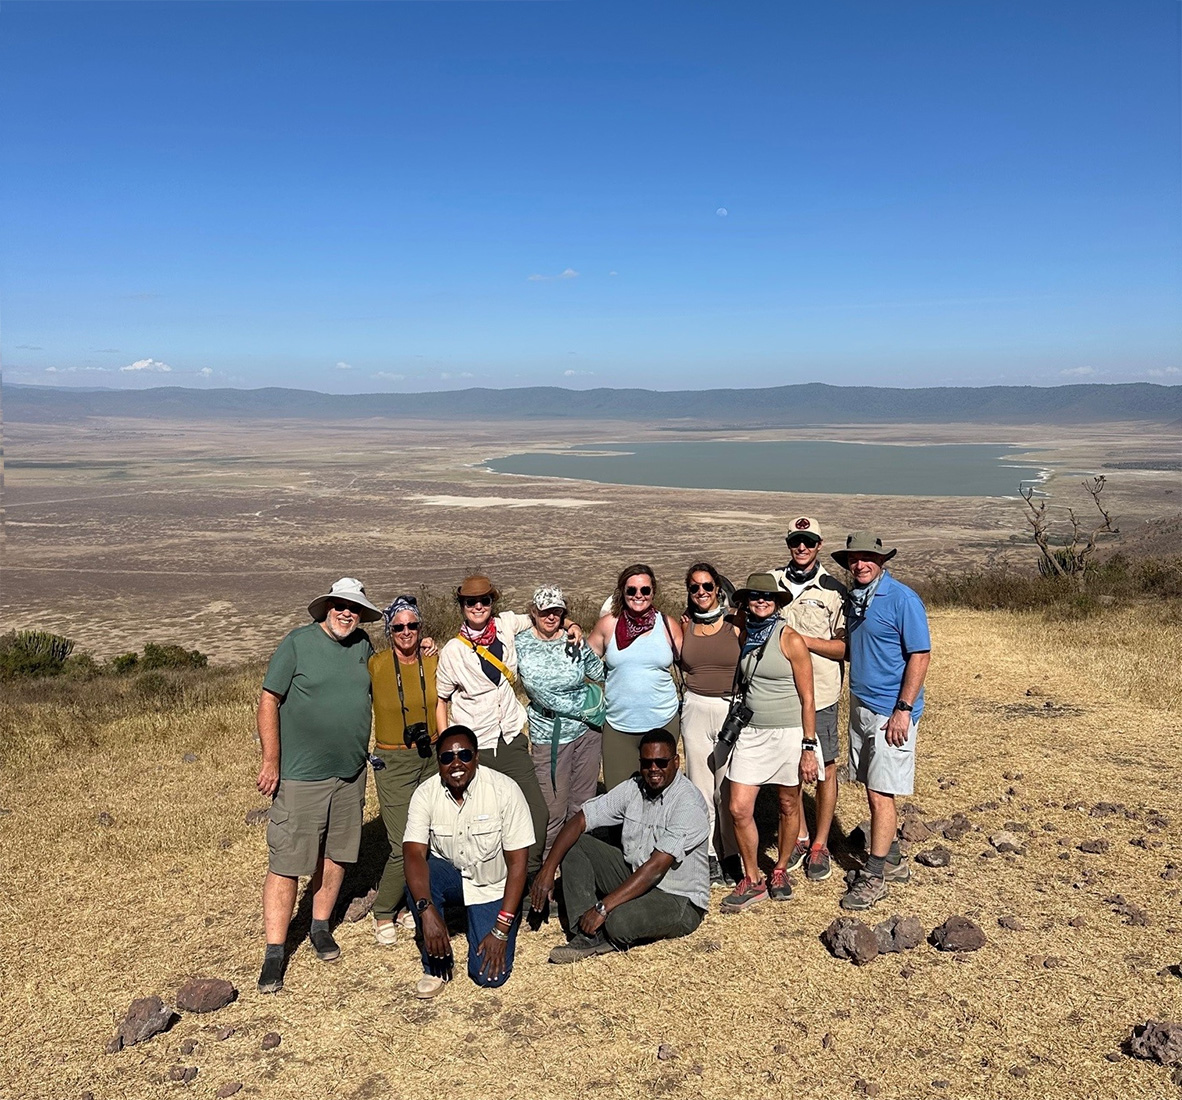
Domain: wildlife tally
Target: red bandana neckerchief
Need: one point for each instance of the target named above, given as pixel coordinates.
(485, 638)
(629, 627)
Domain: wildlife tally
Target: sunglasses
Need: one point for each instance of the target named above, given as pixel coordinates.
(476, 601)
(761, 597)
(551, 612)
(465, 756)
(402, 628)
(798, 542)
(643, 590)
(338, 606)
(661, 762)
(705, 586)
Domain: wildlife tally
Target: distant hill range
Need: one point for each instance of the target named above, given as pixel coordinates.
(811, 403)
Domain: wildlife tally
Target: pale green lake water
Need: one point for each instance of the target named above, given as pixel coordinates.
(790, 466)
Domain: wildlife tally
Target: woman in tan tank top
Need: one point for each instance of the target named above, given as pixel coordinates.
(709, 651)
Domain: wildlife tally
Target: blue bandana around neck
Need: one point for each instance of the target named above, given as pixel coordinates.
(758, 631)
(860, 598)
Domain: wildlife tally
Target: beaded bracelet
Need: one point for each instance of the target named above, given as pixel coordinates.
(506, 916)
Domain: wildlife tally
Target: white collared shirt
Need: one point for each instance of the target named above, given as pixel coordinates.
(472, 835)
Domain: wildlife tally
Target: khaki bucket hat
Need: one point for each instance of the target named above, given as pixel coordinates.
(348, 590)
(863, 542)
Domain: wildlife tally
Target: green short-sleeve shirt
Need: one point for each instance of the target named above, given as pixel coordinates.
(324, 708)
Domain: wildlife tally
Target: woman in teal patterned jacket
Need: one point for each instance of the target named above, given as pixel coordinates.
(554, 673)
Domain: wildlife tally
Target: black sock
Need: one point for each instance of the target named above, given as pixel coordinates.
(894, 856)
(876, 866)
(319, 925)
(274, 953)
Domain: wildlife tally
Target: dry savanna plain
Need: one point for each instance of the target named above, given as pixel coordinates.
(127, 864)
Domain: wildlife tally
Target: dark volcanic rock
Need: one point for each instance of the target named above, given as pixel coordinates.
(205, 995)
(958, 934)
(848, 938)
(230, 1088)
(1158, 1041)
(189, 758)
(939, 856)
(147, 1016)
(114, 1046)
(105, 819)
(271, 1040)
(898, 934)
(182, 1073)
(225, 1033)
(188, 1046)
(1107, 809)
(360, 907)
(666, 1053)
(957, 827)
(1095, 847)
(915, 830)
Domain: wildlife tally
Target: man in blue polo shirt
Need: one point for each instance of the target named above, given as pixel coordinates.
(889, 651)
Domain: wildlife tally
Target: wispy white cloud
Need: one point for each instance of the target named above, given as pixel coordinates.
(344, 366)
(29, 347)
(153, 366)
(567, 273)
(206, 372)
(448, 376)
(1078, 372)
(576, 373)
(77, 370)
(388, 376)
(613, 273)
(1165, 372)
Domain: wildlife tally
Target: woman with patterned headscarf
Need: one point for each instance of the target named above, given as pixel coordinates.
(404, 698)
(554, 673)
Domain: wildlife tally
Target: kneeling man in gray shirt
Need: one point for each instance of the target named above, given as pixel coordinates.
(658, 886)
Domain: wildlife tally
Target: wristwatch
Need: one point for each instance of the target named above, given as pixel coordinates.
(900, 705)
(423, 904)
(808, 746)
(601, 909)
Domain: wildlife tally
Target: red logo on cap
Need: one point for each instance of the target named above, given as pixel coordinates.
(803, 524)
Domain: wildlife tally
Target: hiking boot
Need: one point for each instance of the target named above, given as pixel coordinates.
(798, 856)
(865, 892)
(818, 867)
(778, 886)
(429, 986)
(581, 946)
(325, 946)
(898, 872)
(271, 978)
(746, 894)
(716, 876)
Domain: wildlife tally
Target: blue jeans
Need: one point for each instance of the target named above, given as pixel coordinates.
(447, 888)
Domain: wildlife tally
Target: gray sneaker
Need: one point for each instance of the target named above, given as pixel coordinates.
(799, 855)
(581, 946)
(898, 872)
(818, 866)
(745, 895)
(778, 886)
(865, 892)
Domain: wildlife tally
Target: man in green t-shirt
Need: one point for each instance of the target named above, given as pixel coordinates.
(313, 720)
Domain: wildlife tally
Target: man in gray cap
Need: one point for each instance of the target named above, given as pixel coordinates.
(314, 722)
(817, 613)
(890, 648)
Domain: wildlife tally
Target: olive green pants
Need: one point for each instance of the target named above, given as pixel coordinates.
(515, 761)
(405, 769)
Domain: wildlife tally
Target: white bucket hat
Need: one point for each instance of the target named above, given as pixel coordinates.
(349, 590)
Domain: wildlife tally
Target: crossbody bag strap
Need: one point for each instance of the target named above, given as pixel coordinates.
(742, 683)
(491, 658)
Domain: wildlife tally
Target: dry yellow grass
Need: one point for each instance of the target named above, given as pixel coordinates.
(95, 915)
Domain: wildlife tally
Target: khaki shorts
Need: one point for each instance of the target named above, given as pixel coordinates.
(874, 761)
(309, 818)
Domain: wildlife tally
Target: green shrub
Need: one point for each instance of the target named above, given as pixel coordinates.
(81, 667)
(28, 653)
(123, 664)
(171, 656)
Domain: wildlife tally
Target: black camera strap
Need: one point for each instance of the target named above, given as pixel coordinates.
(402, 694)
(741, 683)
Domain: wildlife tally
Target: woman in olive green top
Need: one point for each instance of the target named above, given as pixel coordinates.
(403, 679)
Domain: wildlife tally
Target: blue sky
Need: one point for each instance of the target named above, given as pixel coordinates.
(419, 196)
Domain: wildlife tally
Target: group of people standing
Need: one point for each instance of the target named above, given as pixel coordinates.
(485, 797)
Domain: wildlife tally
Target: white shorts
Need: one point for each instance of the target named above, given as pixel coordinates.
(772, 756)
(874, 761)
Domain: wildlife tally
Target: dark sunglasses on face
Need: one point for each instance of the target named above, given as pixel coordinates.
(643, 590)
(337, 605)
(797, 543)
(661, 762)
(761, 597)
(402, 628)
(705, 586)
(465, 756)
(477, 601)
